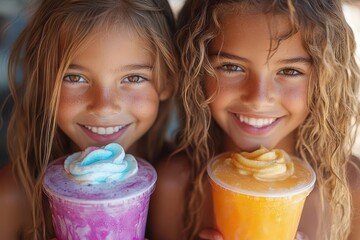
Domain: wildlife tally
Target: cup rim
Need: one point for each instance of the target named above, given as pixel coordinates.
(307, 187)
(148, 190)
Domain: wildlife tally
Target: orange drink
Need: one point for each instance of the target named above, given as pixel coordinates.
(259, 195)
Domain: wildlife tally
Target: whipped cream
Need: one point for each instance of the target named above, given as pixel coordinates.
(101, 164)
(264, 164)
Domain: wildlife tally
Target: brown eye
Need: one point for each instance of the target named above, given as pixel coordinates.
(231, 68)
(74, 78)
(133, 79)
(290, 72)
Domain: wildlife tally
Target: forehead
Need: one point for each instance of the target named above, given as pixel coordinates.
(267, 27)
(76, 41)
(119, 46)
(257, 35)
(124, 34)
(273, 26)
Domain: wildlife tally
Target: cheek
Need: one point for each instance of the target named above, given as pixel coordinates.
(296, 99)
(146, 102)
(71, 97)
(224, 92)
(68, 103)
(63, 115)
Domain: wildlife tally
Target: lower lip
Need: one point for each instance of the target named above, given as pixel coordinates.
(254, 130)
(105, 139)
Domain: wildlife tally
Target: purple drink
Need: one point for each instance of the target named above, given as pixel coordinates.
(105, 210)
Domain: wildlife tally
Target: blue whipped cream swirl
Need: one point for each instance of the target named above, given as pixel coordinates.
(98, 165)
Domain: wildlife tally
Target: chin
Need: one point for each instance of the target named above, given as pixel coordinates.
(252, 146)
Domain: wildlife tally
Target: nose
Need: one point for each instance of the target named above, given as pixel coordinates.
(258, 91)
(104, 100)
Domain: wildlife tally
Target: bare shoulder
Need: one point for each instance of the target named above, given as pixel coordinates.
(173, 178)
(11, 205)
(167, 201)
(173, 169)
(354, 181)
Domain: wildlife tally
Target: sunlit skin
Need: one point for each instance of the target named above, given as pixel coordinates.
(260, 100)
(107, 94)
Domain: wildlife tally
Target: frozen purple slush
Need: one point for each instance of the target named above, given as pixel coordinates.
(115, 210)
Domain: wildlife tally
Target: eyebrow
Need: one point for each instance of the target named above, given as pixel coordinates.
(296, 60)
(123, 68)
(228, 55)
(136, 67)
(306, 60)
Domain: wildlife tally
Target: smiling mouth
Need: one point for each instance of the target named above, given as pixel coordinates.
(256, 122)
(105, 130)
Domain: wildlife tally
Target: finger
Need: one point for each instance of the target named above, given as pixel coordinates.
(210, 234)
(301, 236)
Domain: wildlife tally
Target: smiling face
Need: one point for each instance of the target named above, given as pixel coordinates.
(107, 94)
(260, 100)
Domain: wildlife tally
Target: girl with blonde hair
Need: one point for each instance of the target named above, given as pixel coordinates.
(93, 72)
(280, 74)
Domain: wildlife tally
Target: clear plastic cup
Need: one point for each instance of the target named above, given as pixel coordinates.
(116, 210)
(247, 208)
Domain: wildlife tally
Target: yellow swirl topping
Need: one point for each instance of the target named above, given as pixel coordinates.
(263, 164)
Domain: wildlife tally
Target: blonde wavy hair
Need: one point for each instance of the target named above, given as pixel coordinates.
(43, 53)
(325, 137)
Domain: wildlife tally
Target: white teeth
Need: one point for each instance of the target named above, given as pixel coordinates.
(103, 130)
(256, 122)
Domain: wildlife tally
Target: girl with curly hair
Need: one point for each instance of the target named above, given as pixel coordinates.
(277, 73)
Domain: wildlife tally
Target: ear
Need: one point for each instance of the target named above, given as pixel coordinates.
(165, 93)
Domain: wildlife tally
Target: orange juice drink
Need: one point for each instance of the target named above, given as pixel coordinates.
(259, 195)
